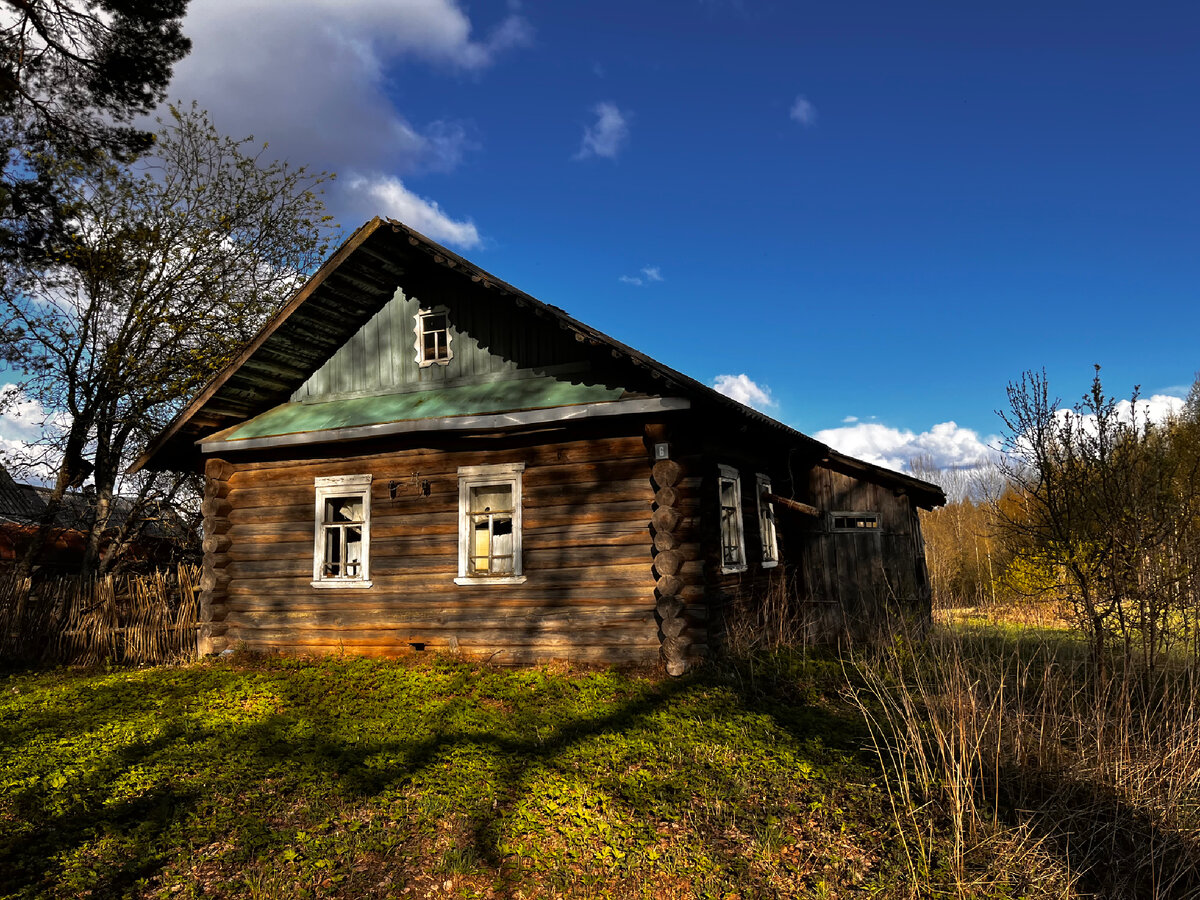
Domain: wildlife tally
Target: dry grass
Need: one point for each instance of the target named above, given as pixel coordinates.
(135, 619)
(1007, 740)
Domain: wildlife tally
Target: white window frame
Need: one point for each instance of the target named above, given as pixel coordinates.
(766, 523)
(478, 476)
(422, 313)
(341, 486)
(727, 474)
(859, 514)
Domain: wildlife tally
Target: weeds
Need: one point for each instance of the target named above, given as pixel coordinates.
(1033, 762)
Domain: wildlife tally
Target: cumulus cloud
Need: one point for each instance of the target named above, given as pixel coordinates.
(946, 445)
(804, 112)
(744, 390)
(608, 135)
(392, 198)
(647, 275)
(1156, 409)
(21, 423)
(312, 78)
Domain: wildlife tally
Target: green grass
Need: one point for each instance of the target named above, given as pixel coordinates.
(347, 777)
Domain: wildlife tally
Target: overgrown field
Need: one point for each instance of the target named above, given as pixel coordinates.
(356, 778)
(977, 762)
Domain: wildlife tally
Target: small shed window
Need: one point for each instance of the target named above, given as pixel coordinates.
(855, 521)
(433, 337)
(766, 523)
(342, 539)
(489, 524)
(733, 542)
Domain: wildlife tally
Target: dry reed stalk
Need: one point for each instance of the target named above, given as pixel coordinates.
(1021, 744)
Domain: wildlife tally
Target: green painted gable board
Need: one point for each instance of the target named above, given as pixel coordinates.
(464, 400)
(488, 342)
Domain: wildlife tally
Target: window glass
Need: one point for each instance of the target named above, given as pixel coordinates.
(490, 516)
(733, 554)
(341, 548)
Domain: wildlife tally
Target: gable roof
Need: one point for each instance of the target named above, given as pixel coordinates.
(352, 286)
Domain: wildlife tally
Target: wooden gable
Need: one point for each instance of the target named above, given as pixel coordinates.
(489, 342)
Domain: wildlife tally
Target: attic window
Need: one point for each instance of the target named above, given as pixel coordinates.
(433, 337)
(342, 540)
(855, 521)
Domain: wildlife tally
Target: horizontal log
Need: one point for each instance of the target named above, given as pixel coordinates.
(214, 581)
(550, 634)
(216, 507)
(665, 540)
(218, 470)
(669, 607)
(796, 506)
(216, 543)
(218, 560)
(669, 585)
(669, 562)
(597, 612)
(215, 525)
(444, 461)
(217, 488)
(666, 496)
(469, 641)
(565, 583)
(667, 473)
(666, 518)
(673, 627)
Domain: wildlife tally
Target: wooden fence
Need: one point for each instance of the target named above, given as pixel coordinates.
(131, 620)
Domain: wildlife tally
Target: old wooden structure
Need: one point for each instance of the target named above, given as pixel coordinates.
(413, 454)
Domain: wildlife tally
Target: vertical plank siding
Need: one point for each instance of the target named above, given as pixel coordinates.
(587, 553)
(486, 342)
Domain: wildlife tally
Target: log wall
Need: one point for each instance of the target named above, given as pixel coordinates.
(587, 553)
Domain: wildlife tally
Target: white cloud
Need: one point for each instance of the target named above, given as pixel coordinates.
(649, 274)
(744, 390)
(392, 198)
(1156, 409)
(21, 423)
(804, 112)
(947, 445)
(314, 79)
(608, 135)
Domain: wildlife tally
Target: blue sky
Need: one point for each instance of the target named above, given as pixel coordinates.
(870, 210)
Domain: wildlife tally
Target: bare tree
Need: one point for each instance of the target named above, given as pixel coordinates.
(172, 264)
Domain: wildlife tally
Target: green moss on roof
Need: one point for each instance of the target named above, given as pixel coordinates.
(464, 400)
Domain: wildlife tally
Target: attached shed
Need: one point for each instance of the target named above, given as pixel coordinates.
(413, 454)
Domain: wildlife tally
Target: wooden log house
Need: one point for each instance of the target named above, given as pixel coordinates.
(414, 455)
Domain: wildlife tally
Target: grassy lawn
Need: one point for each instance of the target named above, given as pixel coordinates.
(433, 777)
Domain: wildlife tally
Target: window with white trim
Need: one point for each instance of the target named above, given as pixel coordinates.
(489, 524)
(855, 521)
(766, 523)
(733, 539)
(342, 538)
(433, 336)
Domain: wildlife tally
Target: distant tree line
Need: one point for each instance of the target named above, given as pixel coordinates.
(1092, 507)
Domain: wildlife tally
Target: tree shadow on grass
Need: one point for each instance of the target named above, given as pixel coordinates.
(1116, 849)
(311, 756)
